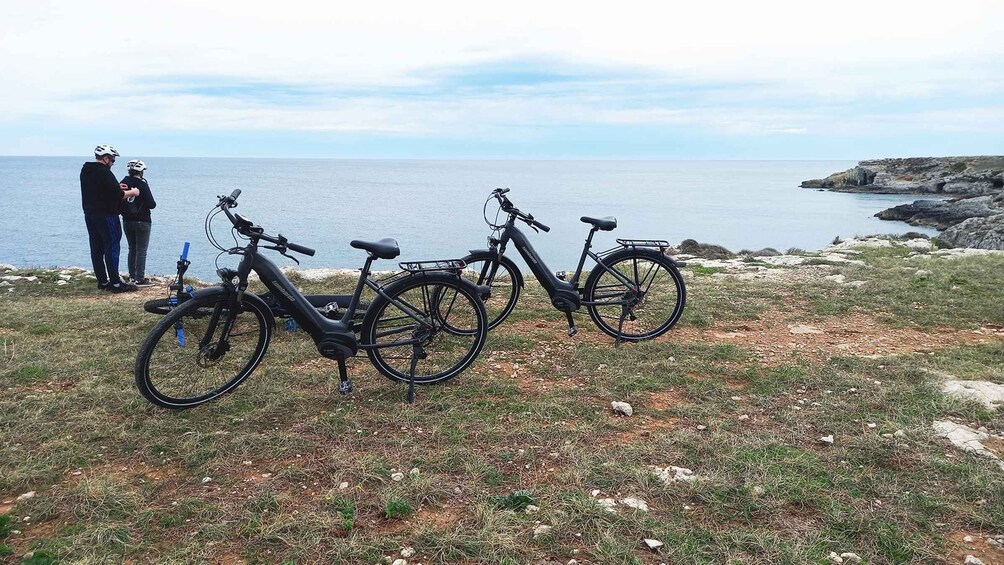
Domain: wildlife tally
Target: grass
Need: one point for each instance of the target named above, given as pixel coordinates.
(286, 470)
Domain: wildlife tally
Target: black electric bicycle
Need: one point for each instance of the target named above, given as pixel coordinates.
(635, 292)
(210, 343)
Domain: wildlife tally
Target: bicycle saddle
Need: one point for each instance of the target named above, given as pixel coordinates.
(606, 223)
(386, 248)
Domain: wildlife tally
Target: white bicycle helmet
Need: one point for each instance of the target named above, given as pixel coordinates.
(103, 150)
(136, 165)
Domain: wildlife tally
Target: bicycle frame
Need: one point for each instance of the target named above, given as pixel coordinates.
(547, 279)
(304, 313)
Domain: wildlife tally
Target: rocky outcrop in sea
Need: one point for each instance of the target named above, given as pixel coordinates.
(970, 207)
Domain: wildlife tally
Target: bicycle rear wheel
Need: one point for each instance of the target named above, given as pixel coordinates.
(502, 290)
(436, 316)
(201, 350)
(642, 301)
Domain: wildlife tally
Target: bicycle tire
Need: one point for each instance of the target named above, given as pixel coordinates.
(504, 288)
(642, 268)
(171, 356)
(448, 353)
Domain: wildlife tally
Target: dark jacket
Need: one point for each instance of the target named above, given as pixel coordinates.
(99, 191)
(145, 200)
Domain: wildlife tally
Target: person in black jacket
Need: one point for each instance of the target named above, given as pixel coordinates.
(101, 195)
(136, 218)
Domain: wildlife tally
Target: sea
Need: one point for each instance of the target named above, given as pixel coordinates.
(436, 209)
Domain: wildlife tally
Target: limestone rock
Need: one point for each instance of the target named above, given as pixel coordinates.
(987, 393)
(941, 214)
(981, 232)
(622, 408)
(636, 503)
(653, 544)
(673, 474)
(966, 439)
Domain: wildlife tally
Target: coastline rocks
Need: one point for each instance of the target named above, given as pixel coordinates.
(981, 232)
(941, 214)
(976, 219)
(925, 175)
(857, 176)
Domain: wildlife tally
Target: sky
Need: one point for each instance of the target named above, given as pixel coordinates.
(773, 79)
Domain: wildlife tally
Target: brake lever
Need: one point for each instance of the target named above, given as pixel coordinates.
(529, 221)
(282, 251)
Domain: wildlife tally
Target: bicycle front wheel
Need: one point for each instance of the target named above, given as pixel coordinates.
(639, 294)
(201, 350)
(434, 320)
(501, 291)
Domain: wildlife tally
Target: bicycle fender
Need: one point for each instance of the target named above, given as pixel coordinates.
(248, 297)
(509, 262)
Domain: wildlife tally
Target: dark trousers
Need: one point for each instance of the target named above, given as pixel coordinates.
(138, 236)
(104, 232)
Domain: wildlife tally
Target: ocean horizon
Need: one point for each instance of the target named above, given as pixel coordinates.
(434, 207)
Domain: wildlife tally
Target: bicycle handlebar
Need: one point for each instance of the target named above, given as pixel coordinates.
(510, 208)
(537, 224)
(245, 227)
(300, 249)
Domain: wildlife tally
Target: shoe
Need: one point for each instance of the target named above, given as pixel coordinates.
(102, 286)
(121, 287)
(142, 282)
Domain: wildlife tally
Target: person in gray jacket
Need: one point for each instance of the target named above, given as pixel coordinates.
(136, 216)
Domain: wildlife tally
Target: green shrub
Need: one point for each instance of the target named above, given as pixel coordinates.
(398, 508)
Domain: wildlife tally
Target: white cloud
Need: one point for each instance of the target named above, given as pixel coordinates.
(793, 66)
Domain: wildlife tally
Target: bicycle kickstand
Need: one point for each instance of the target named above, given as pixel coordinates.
(572, 330)
(620, 326)
(344, 384)
(416, 353)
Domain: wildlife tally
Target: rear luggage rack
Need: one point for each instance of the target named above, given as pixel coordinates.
(662, 244)
(450, 265)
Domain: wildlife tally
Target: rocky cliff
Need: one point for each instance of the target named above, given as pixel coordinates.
(971, 212)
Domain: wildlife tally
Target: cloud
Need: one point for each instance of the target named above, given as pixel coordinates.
(463, 70)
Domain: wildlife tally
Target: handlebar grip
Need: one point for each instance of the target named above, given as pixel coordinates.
(235, 194)
(184, 252)
(540, 226)
(300, 249)
(503, 190)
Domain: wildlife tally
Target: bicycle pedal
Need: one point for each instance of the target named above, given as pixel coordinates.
(345, 386)
(290, 325)
(562, 275)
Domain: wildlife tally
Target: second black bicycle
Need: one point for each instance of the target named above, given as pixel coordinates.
(635, 292)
